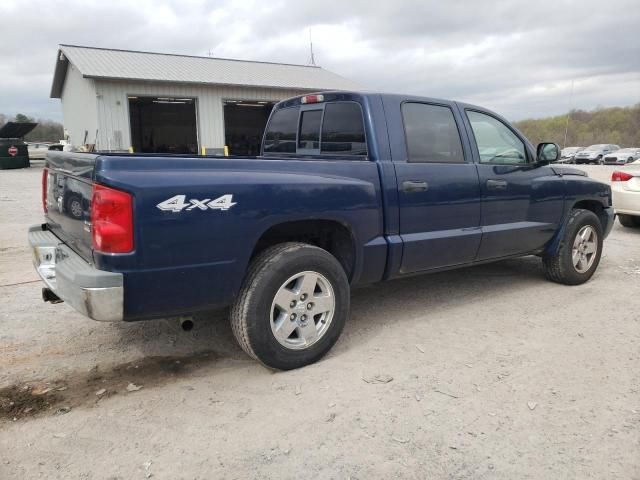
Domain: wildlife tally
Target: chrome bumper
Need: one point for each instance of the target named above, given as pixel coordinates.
(95, 293)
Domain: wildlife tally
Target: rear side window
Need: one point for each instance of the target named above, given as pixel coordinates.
(327, 128)
(431, 133)
(280, 136)
(343, 130)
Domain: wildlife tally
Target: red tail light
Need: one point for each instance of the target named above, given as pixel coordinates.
(618, 176)
(111, 220)
(45, 176)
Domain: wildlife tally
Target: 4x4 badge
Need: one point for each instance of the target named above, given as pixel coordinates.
(178, 203)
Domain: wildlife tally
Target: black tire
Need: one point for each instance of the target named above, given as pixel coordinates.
(629, 221)
(559, 267)
(251, 313)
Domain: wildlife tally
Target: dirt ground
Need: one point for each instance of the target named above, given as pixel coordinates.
(487, 372)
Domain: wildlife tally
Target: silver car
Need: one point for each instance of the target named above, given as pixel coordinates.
(568, 154)
(622, 156)
(37, 151)
(595, 153)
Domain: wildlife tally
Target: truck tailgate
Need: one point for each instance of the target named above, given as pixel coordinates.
(69, 186)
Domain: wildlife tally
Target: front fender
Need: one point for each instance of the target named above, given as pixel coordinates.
(583, 192)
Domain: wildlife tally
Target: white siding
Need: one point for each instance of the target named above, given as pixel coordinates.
(113, 107)
(79, 107)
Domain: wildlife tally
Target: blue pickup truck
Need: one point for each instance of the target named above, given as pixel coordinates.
(351, 188)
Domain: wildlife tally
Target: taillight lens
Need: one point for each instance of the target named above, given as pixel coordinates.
(45, 176)
(111, 220)
(618, 176)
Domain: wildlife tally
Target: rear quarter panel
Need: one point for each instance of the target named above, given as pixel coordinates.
(196, 259)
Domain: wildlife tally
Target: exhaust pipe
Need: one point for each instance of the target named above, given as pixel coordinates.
(186, 323)
(49, 296)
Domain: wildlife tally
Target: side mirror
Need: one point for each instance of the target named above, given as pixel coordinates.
(548, 152)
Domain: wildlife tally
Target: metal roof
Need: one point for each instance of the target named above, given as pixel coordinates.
(161, 67)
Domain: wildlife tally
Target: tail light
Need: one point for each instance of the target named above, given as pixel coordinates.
(111, 220)
(618, 176)
(45, 176)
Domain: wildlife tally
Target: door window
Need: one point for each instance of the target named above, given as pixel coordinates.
(431, 134)
(496, 142)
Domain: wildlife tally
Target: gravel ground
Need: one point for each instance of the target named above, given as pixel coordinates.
(486, 372)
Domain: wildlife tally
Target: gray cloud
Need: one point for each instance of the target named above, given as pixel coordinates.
(516, 57)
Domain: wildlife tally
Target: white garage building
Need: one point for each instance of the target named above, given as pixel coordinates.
(119, 100)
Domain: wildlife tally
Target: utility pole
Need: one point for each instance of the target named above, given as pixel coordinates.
(312, 60)
(566, 128)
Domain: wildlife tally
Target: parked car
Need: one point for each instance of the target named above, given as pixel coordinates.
(625, 186)
(37, 151)
(568, 154)
(595, 153)
(622, 156)
(350, 188)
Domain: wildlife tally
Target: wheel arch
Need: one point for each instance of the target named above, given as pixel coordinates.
(598, 208)
(329, 234)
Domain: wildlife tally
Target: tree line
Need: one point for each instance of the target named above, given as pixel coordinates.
(617, 125)
(45, 131)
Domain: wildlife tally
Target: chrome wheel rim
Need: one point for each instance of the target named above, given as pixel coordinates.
(76, 208)
(585, 248)
(302, 310)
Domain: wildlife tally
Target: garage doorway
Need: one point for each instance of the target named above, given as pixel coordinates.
(163, 125)
(244, 124)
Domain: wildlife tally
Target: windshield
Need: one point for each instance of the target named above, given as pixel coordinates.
(594, 147)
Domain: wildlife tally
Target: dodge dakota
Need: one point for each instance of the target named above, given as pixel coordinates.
(350, 188)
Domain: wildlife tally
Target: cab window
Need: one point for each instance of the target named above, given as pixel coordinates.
(495, 141)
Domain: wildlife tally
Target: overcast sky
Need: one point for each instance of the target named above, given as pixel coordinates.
(516, 57)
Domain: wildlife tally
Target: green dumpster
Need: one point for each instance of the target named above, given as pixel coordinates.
(13, 150)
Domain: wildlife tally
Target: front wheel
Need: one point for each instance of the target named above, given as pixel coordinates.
(579, 253)
(292, 306)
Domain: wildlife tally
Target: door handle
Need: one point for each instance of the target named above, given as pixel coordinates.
(497, 184)
(411, 186)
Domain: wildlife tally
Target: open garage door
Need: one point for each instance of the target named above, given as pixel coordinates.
(163, 125)
(244, 124)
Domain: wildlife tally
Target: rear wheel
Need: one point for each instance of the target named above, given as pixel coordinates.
(629, 221)
(292, 306)
(579, 253)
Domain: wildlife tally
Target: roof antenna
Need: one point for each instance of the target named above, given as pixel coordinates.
(210, 53)
(312, 59)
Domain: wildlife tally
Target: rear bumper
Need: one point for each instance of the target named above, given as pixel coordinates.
(626, 202)
(95, 293)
